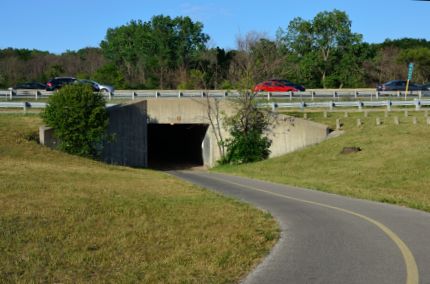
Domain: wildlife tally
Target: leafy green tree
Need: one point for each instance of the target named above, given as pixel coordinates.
(247, 127)
(79, 119)
(421, 58)
(153, 49)
(110, 73)
(324, 39)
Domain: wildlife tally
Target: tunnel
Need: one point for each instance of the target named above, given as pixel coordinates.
(175, 146)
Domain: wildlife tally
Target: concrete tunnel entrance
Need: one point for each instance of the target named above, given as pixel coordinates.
(175, 146)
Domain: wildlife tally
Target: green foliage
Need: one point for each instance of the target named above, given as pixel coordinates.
(155, 47)
(110, 73)
(247, 127)
(321, 45)
(405, 43)
(421, 58)
(79, 119)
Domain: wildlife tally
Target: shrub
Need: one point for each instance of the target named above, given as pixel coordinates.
(247, 128)
(79, 119)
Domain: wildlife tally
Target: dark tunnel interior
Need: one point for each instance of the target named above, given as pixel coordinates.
(175, 146)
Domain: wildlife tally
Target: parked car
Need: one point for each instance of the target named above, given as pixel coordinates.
(426, 87)
(58, 82)
(288, 83)
(97, 87)
(273, 86)
(30, 85)
(398, 85)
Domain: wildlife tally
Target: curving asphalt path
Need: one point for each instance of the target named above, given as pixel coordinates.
(331, 239)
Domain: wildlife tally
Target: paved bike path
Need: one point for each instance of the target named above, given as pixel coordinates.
(328, 238)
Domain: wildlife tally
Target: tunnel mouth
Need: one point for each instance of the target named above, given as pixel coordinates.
(175, 146)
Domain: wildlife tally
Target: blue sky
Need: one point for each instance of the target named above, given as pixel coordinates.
(57, 26)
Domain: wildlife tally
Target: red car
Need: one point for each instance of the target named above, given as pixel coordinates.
(274, 86)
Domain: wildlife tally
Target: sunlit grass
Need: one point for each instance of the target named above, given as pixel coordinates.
(70, 220)
(393, 166)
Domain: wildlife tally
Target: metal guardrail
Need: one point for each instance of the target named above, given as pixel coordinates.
(417, 103)
(28, 105)
(12, 94)
(313, 94)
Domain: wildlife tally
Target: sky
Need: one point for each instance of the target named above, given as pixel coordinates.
(57, 26)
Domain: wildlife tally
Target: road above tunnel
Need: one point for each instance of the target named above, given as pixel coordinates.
(331, 239)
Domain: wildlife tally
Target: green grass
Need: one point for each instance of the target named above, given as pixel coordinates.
(393, 166)
(70, 220)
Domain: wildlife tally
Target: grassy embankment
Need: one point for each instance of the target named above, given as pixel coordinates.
(68, 219)
(393, 166)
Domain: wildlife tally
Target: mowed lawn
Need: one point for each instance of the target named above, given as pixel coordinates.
(393, 166)
(65, 219)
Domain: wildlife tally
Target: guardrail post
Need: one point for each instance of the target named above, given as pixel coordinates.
(157, 94)
(389, 103)
(225, 94)
(358, 122)
(366, 113)
(291, 96)
(36, 94)
(110, 96)
(334, 94)
(378, 121)
(274, 105)
(24, 107)
(302, 105)
(355, 94)
(331, 105)
(360, 105)
(417, 104)
(396, 120)
(420, 94)
(10, 94)
(377, 95)
(325, 114)
(133, 95)
(313, 95)
(203, 94)
(337, 124)
(180, 94)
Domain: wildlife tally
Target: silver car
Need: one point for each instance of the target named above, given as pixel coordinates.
(97, 87)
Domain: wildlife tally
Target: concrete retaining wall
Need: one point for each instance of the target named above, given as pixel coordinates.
(289, 134)
(128, 125)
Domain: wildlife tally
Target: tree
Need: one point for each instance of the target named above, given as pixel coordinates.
(155, 49)
(325, 40)
(79, 119)
(421, 58)
(247, 127)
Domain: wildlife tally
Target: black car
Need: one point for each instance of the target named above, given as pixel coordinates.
(426, 87)
(398, 85)
(290, 84)
(30, 85)
(58, 82)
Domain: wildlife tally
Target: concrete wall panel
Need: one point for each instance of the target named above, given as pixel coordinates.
(128, 125)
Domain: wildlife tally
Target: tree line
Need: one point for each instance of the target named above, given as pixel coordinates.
(173, 53)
